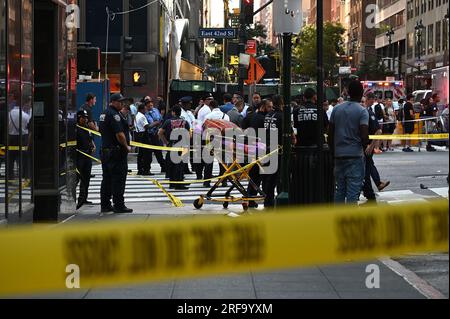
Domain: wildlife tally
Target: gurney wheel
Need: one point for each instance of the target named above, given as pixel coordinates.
(225, 204)
(198, 203)
(245, 206)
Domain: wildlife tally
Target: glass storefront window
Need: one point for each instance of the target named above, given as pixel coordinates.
(3, 117)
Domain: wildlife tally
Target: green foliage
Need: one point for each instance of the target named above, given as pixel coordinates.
(257, 31)
(305, 50)
(373, 70)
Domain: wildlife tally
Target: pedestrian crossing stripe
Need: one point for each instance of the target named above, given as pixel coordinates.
(122, 252)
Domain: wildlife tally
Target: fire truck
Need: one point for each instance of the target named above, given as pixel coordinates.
(391, 89)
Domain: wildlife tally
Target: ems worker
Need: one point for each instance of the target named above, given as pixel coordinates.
(174, 170)
(85, 144)
(273, 120)
(115, 149)
(305, 120)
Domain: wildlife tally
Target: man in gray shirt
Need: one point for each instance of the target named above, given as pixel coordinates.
(348, 137)
(235, 113)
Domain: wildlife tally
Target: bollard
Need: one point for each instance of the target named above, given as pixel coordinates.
(305, 184)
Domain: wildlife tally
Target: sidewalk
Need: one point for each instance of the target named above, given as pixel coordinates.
(324, 282)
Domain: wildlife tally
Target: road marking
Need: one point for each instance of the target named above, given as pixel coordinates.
(418, 283)
(442, 191)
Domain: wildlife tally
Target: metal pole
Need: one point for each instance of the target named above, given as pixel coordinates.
(283, 197)
(320, 79)
(242, 40)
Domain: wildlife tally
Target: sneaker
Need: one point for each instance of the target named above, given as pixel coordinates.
(252, 204)
(383, 185)
(107, 209)
(122, 210)
(181, 187)
(79, 205)
(87, 202)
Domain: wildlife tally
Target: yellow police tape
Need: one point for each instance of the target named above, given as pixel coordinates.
(115, 253)
(136, 144)
(89, 156)
(175, 200)
(410, 137)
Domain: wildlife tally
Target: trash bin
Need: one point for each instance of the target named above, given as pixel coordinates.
(305, 185)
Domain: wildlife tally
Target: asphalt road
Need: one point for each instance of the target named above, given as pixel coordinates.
(408, 171)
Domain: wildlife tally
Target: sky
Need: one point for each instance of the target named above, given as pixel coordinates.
(217, 15)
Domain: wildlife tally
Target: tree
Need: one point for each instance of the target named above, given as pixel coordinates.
(258, 30)
(305, 48)
(373, 69)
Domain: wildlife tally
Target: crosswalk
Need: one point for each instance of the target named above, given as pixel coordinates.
(140, 189)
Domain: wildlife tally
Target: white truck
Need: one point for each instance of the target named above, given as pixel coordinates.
(439, 84)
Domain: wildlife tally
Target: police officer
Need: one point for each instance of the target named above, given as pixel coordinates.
(115, 149)
(86, 145)
(305, 120)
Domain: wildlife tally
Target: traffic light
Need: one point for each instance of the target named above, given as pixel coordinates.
(248, 9)
(126, 48)
(139, 78)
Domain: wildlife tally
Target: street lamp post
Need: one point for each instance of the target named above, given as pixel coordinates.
(389, 34)
(418, 28)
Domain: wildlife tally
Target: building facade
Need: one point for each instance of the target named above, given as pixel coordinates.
(37, 109)
(327, 12)
(427, 32)
(390, 40)
(150, 25)
(362, 30)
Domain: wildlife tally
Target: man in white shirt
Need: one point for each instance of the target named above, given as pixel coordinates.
(205, 109)
(186, 113)
(18, 132)
(141, 125)
(216, 113)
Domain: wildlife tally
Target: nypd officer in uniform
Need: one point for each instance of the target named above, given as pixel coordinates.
(86, 145)
(115, 149)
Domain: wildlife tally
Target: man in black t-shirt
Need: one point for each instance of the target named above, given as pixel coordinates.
(174, 170)
(408, 124)
(305, 120)
(273, 120)
(91, 99)
(86, 145)
(371, 170)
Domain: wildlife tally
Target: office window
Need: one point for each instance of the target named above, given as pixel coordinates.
(417, 7)
(138, 25)
(96, 25)
(444, 34)
(430, 5)
(410, 45)
(430, 38)
(438, 36)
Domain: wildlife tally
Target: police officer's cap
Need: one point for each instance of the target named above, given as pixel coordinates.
(117, 97)
(82, 113)
(186, 99)
(208, 95)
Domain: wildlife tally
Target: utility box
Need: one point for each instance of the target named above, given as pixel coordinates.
(101, 90)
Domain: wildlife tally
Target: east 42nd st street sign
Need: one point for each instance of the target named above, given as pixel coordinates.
(218, 33)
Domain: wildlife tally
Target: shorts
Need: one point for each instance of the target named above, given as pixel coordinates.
(408, 127)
